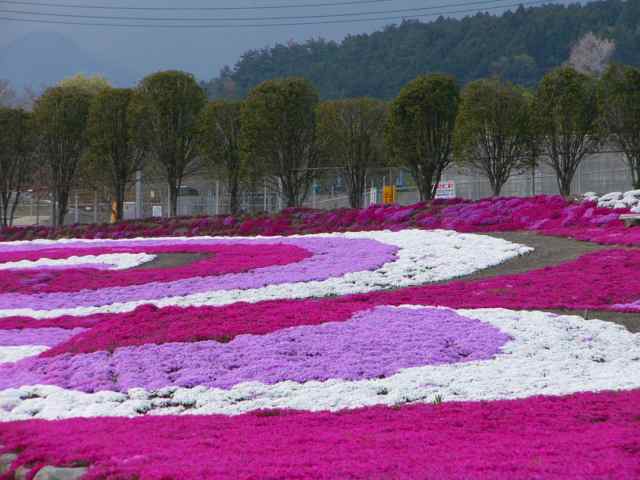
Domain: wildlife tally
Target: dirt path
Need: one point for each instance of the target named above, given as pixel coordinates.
(170, 260)
(550, 251)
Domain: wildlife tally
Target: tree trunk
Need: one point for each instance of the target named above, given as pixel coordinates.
(4, 210)
(62, 207)
(119, 213)
(356, 183)
(173, 199)
(634, 165)
(428, 183)
(233, 195)
(355, 197)
(54, 216)
(425, 186)
(290, 194)
(496, 185)
(564, 184)
(12, 210)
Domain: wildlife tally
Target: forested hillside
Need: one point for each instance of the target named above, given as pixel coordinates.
(520, 45)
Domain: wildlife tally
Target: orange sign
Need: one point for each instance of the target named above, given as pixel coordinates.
(389, 194)
(114, 211)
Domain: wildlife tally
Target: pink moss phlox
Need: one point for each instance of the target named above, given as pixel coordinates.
(550, 215)
(606, 278)
(220, 260)
(589, 435)
(384, 341)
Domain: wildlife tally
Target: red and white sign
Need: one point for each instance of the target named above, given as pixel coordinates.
(446, 189)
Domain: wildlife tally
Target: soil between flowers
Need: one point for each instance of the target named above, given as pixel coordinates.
(171, 260)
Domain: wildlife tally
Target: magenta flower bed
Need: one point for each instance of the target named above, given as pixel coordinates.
(551, 215)
(606, 280)
(357, 338)
(320, 258)
(590, 435)
(222, 259)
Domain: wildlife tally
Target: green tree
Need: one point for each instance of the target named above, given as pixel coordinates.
(91, 85)
(166, 118)
(17, 148)
(114, 155)
(520, 69)
(279, 134)
(419, 133)
(61, 122)
(220, 145)
(351, 136)
(492, 128)
(619, 99)
(565, 111)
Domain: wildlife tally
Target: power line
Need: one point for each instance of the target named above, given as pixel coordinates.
(258, 19)
(194, 9)
(257, 25)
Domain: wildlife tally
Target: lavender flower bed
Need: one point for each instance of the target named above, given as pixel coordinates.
(374, 344)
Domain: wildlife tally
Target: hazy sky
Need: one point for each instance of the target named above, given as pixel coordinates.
(204, 51)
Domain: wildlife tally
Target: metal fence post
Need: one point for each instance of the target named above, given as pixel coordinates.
(264, 196)
(217, 197)
(95, 207)
(139, 195)
(37, 207)
(76, 216)
(314, 194)
(169, 201)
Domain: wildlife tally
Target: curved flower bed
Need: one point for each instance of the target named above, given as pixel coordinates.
(550, 215)
(576, 437)
(76, 264)
(302, 348)
(374, 344)
(114, 261)
(340, 264)
(387, 355)
(607, 281)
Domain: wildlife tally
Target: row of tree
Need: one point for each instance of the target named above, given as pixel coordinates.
(491, 126)
(569, 116)
(84, 130)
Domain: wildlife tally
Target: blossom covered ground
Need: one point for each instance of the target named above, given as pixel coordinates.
(322, 345)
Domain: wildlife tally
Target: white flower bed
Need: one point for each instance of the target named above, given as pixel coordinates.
(112, 261)
(13, 354)
(423, 256)
(549, 355)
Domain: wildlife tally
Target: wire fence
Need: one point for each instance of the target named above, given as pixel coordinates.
(201, 195)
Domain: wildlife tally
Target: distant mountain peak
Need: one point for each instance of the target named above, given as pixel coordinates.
(43, 58)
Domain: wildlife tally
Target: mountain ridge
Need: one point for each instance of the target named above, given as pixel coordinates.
(41, 59)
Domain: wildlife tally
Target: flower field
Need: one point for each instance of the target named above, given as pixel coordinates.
(347, 344)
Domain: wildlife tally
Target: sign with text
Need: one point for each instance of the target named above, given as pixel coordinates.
(373, 195)
(156, 211)
(446, 189)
